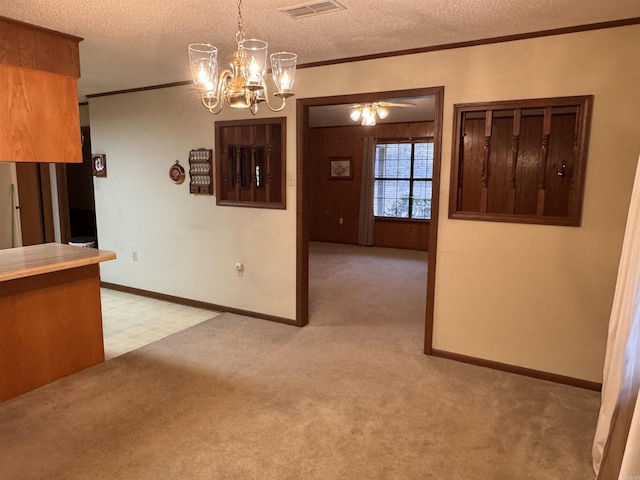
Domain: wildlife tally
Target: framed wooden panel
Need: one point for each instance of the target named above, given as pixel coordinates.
(251, 163)
(520, 161)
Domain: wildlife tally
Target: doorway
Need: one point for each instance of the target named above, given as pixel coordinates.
(304, 180)
(76, 199)
(34, 203)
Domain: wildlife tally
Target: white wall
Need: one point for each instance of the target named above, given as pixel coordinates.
(527, 295)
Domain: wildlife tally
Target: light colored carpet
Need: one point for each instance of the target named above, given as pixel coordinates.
(241, 398)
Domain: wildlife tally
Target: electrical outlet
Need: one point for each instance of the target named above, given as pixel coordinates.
(341, 220)
(134, 256)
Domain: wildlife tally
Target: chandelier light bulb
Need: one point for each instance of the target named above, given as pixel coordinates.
(285, 83)
(202, 75)
(254, 73)
(355, 115)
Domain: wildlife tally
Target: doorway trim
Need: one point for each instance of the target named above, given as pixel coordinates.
(302, 195)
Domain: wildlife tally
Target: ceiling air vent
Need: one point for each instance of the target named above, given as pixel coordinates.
(312, 8)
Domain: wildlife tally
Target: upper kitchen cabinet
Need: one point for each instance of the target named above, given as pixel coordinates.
(39, 117)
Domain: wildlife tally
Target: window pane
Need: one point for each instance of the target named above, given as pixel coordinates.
(381, 159)
(391, 198)
(421, 204)
(423, 161)
(404, 160)
(393, 160)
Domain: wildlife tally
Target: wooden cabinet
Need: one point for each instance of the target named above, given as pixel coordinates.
(39, 116)
(39, 70)
(51, 320)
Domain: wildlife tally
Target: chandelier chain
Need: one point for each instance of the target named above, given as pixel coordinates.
(240, 36)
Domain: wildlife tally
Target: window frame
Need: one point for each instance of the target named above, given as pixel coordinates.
(411, 179)
(258, 133)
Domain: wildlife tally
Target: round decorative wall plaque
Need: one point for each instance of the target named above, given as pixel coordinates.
(176, 173)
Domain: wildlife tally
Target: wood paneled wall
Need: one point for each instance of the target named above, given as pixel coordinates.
(335, 204)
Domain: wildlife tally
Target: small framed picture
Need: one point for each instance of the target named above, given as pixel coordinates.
(99, 164)
(340, 168)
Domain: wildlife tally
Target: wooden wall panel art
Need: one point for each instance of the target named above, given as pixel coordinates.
(520, 161)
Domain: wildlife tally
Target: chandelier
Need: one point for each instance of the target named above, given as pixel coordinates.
(368, 113)
(243, 85)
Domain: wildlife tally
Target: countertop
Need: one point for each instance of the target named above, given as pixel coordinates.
(46, 258)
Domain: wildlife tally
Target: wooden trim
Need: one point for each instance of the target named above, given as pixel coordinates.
(141, 89)
(433, 222)
(48, 229)
(433, 48)
(303, 221)
(527, 372)
(401, 219)
(475, 43)
(194, 303)
(63, 202)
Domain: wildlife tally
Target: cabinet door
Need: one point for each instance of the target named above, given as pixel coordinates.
(40, 117)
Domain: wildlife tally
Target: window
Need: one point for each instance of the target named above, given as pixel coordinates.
(403, 179)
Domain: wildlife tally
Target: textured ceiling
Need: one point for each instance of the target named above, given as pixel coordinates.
(130, 44)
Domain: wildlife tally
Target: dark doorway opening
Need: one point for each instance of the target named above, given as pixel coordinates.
(82, 207)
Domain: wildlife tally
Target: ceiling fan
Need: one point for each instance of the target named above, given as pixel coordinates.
(368, 112)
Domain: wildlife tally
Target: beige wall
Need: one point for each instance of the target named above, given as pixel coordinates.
(528, 295)
(186, 245)
(84, 115)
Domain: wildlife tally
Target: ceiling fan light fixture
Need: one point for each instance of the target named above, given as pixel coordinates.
(382, 112)
(368, 112)
(369, 121)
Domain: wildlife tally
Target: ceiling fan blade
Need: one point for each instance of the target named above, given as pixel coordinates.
(396, 104)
